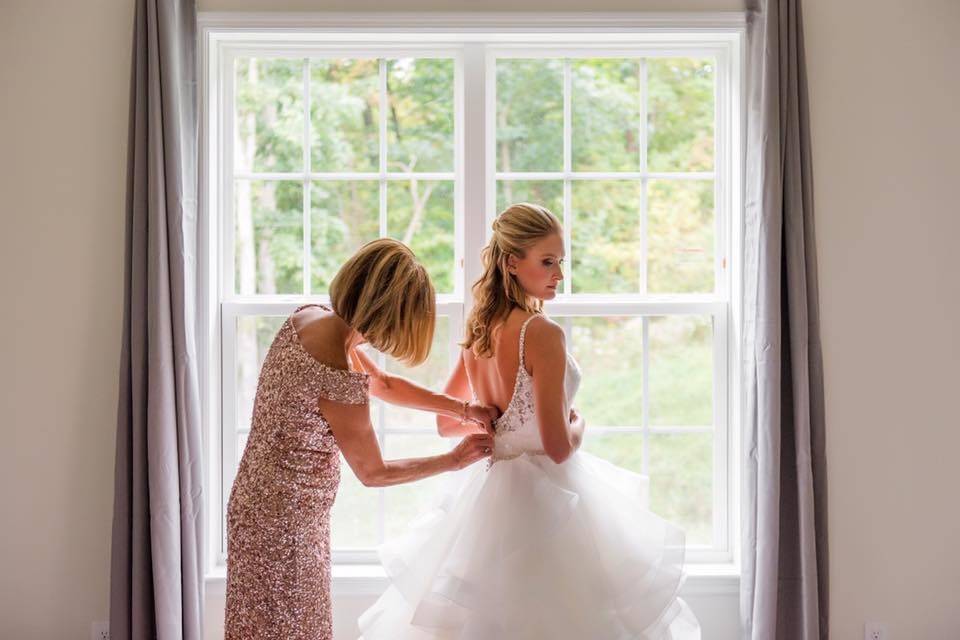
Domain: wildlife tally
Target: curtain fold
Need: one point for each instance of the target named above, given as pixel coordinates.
(156, 576)
(784, 589)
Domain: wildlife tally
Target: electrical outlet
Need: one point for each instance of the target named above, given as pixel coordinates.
(100, 631)
(874, 631)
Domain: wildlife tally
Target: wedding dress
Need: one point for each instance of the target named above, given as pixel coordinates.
(527, 549)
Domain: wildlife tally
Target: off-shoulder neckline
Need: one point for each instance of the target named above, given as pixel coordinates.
(296, 338)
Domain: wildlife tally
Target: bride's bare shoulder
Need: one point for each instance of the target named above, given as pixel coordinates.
(544, 335)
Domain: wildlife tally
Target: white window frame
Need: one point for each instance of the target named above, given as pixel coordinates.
(475, 39)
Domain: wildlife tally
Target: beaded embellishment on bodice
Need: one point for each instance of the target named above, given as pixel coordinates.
(517, 429)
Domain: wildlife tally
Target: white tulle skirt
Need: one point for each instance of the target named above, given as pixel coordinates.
(533, 550)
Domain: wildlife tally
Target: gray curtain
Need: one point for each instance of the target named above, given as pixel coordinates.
(156, 581)
(784, 582)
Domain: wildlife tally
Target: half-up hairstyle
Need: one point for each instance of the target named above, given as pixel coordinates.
(498, 292)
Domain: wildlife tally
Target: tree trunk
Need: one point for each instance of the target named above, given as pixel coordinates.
(419, 208)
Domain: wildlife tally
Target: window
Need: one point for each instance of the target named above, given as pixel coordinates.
(315, 145)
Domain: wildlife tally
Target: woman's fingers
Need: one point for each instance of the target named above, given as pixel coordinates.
(482, 443)
(473, 448)
(481, 440)
(483, 415)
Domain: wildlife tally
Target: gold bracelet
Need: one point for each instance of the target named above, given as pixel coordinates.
(463, 411)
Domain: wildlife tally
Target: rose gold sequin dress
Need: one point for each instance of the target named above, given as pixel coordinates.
(278, 516)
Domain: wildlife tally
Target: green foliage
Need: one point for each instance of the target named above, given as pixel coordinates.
(546, 193)
(529, 115)
(605, 104)
(606, 248)
(420, 214)
(420, 122)
(605, 224)
(345, 137)
(680, 114)
(345, 115)
(269, 114)
(344, 216)
(607, 135)
(681, 240)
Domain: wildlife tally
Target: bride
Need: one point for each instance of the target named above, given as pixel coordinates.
(546, 542)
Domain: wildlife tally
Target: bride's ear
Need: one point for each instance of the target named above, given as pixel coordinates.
(512, 264)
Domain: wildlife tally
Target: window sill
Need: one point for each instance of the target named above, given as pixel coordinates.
(357, 580)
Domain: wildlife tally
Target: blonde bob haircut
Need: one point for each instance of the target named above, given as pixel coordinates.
(385, 294)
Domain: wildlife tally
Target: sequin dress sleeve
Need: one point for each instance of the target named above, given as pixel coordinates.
(278, 515)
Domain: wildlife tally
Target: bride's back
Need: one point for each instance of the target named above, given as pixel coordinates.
(493, 379)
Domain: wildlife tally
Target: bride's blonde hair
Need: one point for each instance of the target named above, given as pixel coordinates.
(496, 293)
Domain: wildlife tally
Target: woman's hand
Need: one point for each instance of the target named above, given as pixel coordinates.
(577, 425)
(482, 415)
(471, 449)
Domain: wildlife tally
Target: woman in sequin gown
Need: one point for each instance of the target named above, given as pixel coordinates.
(310, 407)
(546, 542)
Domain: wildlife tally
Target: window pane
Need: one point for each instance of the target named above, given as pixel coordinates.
(605, 104)
(354, 519)
(680, 114)
(606, 236)
(420, 214)
(546, 193)
(269, 115)
(681, 475)
(241, 445)
(420, 121)
(345, 115)
(680, 217)
(432, 374)
(610, 354)
(343, 217)
(681, 371)
(681, 482)
(405, 502)
(529, 115)
(268, 238)
(622, 449)
(255, 334)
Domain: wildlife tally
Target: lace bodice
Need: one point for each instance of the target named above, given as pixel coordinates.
(517, 430)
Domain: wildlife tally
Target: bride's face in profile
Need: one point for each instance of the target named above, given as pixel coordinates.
(540, 271)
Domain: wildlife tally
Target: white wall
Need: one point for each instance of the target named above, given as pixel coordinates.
(884, 102)
(885, 98)
(64, 78)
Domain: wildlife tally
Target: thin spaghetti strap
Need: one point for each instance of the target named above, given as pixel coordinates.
(523, 335)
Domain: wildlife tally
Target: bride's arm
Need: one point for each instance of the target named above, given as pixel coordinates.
(458, 386)
(546, 355)
(406, 393)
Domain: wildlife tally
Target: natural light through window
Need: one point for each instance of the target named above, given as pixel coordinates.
(318, 149)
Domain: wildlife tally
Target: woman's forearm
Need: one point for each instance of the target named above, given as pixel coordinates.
(406, 393)
(450, 427)
(408, 470)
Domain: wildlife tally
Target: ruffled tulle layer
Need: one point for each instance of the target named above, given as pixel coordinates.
(532, 550)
